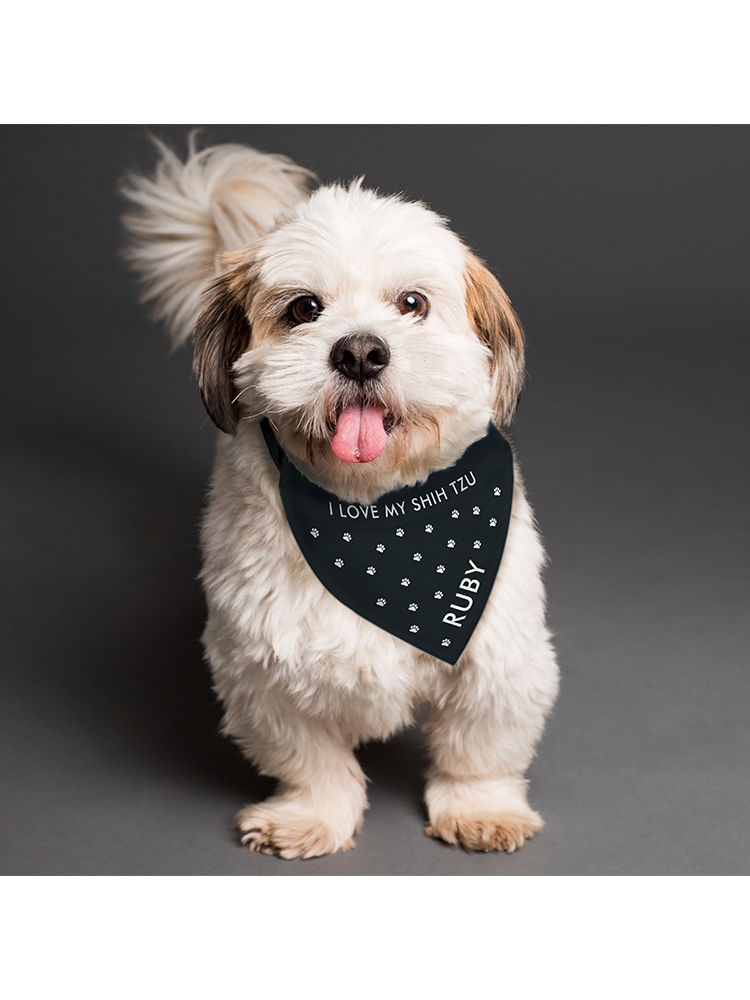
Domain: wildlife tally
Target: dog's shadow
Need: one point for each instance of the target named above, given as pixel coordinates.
(129, 643)
(395, 768)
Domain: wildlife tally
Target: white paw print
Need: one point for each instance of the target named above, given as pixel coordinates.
(475, 510)
(371, 570)
(380, 548)
(414, 628)
(438, 594)
(400, 532)
(380, 602)
(477, 544)
(493, 522)
(445, 642)
(346, 536)
(413, 607)
(417, 557)
(441, 569)
(454, 513)
(497, 491)
(338, 562)
(405, 582)
(314, 532)
(451, 543)
(429, 529)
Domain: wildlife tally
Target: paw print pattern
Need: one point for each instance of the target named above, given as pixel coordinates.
(441, 569)
(476, 510)
(445, 642)
(380, 548)
(451, 543)
(429, 529)
(493, 522)
(417, 557)
(438, 594)
(346, 536)
(413, 607)
(314, 532)
(477, 544)
(497, 491)
(414, 628)
(338, 562)
(380, 602)
(400, 532)
(405, 582)
(371, 570)
(454, 513)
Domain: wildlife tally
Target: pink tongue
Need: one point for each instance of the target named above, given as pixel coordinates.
(360, 435)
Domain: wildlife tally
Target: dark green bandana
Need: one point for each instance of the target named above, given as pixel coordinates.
(421, 561)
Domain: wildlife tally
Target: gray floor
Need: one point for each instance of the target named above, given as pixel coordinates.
(633, 436)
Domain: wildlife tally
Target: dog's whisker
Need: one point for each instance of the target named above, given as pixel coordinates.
(240, 393)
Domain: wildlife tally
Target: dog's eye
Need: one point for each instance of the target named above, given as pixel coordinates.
(305, 309)
(412, 304)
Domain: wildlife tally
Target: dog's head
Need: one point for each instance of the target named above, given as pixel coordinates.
(376, 343)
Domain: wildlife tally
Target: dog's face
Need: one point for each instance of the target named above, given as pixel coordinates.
(377, 345)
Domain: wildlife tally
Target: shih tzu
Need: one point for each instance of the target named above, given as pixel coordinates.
(368, 546)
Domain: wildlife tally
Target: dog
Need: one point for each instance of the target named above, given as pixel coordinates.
(356, 336)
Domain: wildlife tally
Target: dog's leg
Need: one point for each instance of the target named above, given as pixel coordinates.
(321, 797)
(482, 739)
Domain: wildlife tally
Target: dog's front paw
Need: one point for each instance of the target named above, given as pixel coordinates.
(288, 830)
(503, 832)
(480, 814)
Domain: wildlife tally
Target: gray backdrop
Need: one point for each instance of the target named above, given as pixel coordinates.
(625, 253)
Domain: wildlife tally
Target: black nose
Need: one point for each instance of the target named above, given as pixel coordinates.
(360, 356)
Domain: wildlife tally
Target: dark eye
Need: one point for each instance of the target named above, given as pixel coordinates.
(305, 309)
(412, 304)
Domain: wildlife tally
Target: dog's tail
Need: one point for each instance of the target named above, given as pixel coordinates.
(186, 214)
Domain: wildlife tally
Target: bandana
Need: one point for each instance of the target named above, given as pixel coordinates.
(421, 561)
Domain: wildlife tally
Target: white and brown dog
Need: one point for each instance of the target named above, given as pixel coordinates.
(273, 279)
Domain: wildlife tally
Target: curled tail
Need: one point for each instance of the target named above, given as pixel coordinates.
(186, 214)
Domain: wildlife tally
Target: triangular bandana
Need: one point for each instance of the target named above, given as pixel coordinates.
(421, 561)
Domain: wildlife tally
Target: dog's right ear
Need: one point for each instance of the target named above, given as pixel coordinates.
(220, 335)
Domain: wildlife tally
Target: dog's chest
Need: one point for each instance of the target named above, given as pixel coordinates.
(284, 619)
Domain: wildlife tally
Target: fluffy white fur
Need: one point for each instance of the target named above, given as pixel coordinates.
(303, 679)
(184, 216)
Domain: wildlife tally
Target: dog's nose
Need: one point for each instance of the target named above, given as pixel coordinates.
(360, 356)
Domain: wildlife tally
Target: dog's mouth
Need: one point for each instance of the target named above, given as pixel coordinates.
(360, 433)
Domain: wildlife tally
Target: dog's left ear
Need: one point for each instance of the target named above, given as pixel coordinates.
(498, 327)
(220, 335)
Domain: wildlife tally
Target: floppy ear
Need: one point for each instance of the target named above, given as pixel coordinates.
(220, 335)
(498, 327)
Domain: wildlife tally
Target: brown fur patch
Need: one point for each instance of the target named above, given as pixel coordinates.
(220, 335)
(498, 327)
(291, 838)
(504, 832)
